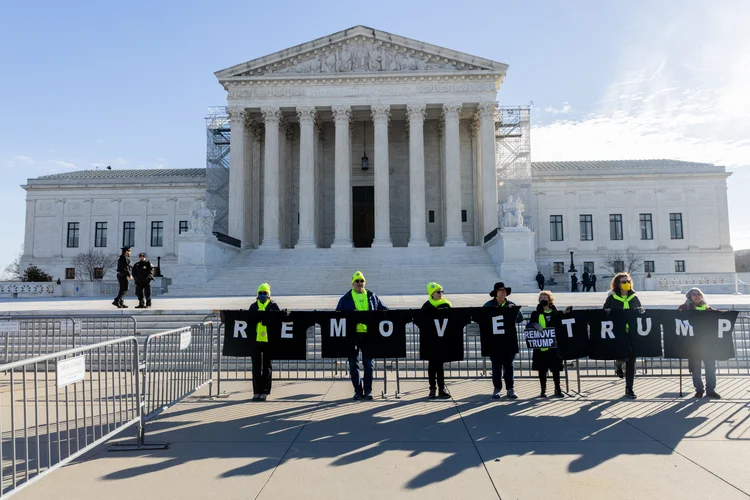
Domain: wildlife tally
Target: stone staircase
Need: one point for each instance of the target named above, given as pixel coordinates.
(325, 271)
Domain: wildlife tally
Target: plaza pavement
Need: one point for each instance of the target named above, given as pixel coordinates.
(309, 441)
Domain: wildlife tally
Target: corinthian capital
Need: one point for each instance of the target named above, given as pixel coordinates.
(341, 113)
(271, 115)
(487, 109)
(306, 115)
(415, 112)
(380, 112)
(237, 115)
(451, 111)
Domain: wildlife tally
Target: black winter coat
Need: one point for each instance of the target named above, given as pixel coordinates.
(143, 272)
(123, 266)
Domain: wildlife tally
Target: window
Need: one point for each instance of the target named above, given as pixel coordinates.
(100, 234)
(431, 216)
(648, 266)
(555, 228)
(128, 234)
(588, 267)
(157, 233)
(587, 227)
(675, 226)
(679, 266)
(615, 226)
(619, 266)
(463, 216)
(558, 267)
(98, 273)
(184, 226)
(73, 230)
(70, 273)
(647, 227)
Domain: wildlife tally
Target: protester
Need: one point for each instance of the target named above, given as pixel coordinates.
(124, 274)
(697, 302)
(502, 366)
(622, 296)
(360, 299)
(540, 280)
(143, 275)
(435, 370)
(260, 354)
(545, 359)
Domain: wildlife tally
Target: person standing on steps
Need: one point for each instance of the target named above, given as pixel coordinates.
(502, 366)
(143, 275)
(360, 299)
(435, 370)
(260, 354)
(697, 302)
(124, 274)
(540, 280)
(622, 296)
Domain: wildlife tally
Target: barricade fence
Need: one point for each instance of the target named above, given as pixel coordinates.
(57, 406)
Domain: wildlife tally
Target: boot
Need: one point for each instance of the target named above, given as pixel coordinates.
(123, 306)
(140, 305)
(148, 304)
(432, 394)
(116, 304)
(559, 392)
(444, 393)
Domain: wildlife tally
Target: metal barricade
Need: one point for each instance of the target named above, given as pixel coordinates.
(58, 406)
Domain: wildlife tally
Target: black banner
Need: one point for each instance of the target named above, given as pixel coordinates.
(645, 333)
(386, 333)
(497, 330)
(699, 334)
(287, 335)
(573, 335)
(441, 333)
(608, 337)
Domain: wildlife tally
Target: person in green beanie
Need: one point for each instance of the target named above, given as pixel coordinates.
(435, 371)
(261, 360)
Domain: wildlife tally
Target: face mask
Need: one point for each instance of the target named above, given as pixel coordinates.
(625, 287)
(544, 302)
(263, 297)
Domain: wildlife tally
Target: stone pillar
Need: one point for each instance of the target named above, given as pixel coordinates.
(271, 117)
(380, 115)
(486, 113)
(342, 182)
(237, 179)
(453, 231)
(417, 205)
(306, 116)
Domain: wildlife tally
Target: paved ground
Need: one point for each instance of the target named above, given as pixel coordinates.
(311, 442)
(301, 302)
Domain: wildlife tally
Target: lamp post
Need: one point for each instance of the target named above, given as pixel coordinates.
(572, 266)
(158, 267)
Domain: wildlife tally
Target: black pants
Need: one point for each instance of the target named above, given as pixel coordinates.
(261, 369)
(541, 285)
(555, 379)
(143, 289)
(123, 282)
(502, 369)
(629, 371)
(436, 373)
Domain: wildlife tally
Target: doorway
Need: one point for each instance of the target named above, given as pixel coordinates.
(363, 216)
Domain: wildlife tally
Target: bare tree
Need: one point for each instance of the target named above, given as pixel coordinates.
(741, 261)
(618, 262)
(93, 265)
(13, 270)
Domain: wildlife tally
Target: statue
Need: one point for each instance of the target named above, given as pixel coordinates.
(202, 220)
(513, 213)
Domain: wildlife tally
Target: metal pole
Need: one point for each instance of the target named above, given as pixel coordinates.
(578, 376)
(680, 378)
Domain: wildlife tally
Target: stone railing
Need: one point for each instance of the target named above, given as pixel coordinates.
(20, 289)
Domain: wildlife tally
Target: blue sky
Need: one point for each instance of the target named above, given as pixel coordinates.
(127, 84)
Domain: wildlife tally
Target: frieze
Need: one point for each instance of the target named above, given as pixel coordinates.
(45, 206)
(271, 92)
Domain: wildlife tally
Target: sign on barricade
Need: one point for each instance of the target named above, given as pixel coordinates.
(70, 371)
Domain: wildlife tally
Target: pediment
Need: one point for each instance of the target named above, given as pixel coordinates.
(361, 50)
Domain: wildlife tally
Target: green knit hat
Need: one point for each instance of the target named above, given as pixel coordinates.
(432, 288)
(264, 287)
(358, 276)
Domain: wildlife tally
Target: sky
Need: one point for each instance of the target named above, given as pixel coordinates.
(88, 84)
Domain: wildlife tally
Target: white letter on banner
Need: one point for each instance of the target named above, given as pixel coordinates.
(608, 328)
(239, 329)
(569, 325)
(641, 331)
(286, 330)
(725, 326)
(338, 327)
(383, 331)
(498, 328)
(683, 328)
(441, 331)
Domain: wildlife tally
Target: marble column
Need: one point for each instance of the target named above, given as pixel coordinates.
(486, 112)
(237, 180)
(271, 117)
(380, 115)
(417, 205)
(342, 181)
(453, 230)
(306, 115)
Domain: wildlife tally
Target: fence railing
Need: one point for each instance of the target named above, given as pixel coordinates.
(57, 406)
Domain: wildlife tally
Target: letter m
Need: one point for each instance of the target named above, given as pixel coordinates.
(683, 328)
(338, 327)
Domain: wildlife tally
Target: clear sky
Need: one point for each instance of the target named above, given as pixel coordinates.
(127, 84)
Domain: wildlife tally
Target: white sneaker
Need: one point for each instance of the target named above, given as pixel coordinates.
(496, 394)
(512, 394)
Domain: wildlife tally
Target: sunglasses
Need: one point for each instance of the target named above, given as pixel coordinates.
(439, 291)
(359, 281)
(625, 281)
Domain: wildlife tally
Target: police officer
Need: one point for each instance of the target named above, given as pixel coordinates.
(124, 273)
(260, 354)
(143, 275)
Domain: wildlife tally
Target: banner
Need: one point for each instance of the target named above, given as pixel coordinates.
(497, 330)
(386, 333)
(608, 337)
(573, 335)
(699, 334)
(645, 333)
(285, 342)
(441, 333)
(338, 334)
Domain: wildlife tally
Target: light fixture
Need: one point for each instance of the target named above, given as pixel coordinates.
(365, 160)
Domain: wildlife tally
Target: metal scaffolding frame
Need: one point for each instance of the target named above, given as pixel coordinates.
(217, 166)
(513, 158)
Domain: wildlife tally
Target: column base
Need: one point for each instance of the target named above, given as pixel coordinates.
(454, 241)
(270, 244)
(306, 244)
(418, 243)
(382, 243)
(341, 243)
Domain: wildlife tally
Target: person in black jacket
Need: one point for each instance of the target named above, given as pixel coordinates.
(592, 281)
(622, 296)
(260, 354)
(143, 274)
(502, 366)
(540, 280)
(124, 273)
(586, 284)
(435, 371)
(574, 283)
(545, 316)
(360, 299)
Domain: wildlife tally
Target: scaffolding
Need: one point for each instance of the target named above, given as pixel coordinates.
(513, 158)
(217, 166)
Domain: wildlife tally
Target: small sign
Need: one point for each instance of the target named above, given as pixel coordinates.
(540, 339)
(184, 340)
(70, 371)
(9, 326)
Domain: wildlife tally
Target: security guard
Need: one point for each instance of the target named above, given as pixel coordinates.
(260, 355)
(124, 273)
(143, 274)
